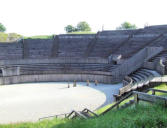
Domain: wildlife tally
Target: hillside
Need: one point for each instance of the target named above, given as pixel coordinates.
(9, 37)
(143, 115)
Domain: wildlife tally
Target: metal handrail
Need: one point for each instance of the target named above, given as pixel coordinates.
(64, 114)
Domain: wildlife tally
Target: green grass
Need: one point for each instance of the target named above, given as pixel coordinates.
(84, 32)
(9, 37)
(142, 115)
(40, 37)
(50, 36)
(160, 87)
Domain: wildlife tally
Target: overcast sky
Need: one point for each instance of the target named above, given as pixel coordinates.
(42, 17)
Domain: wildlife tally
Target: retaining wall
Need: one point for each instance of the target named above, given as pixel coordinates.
(55, 78)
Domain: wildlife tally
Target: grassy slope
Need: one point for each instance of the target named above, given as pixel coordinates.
(39, 37)
(85, 32)
(9, 37)
(139, 116)
(142, 115)
(4, 36)
(50, 36)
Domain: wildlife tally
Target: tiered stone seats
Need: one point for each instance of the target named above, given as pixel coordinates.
(110, 67)
(73, 45)
(139, 78)
(127, 42)
(38, 48)
(59, 68)
(10, 51)
(163, 54)
(108, 41)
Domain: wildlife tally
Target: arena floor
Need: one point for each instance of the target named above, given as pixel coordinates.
(31, 101)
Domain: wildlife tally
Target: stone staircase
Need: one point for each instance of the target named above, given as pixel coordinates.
(138, 80)
(162, 54)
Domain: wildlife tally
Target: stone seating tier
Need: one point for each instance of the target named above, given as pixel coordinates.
(123, 42)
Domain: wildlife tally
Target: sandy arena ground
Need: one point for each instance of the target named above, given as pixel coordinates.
(31, 101)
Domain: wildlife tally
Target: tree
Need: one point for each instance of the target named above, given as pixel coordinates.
(2, 28)
(69, 28)
(83, 26)
(126, 25)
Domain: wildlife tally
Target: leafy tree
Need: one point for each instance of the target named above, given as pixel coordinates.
(69, 28)
(83, 26)
(2, 28)
(126, 25)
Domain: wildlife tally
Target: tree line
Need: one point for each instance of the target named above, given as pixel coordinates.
(84, 26)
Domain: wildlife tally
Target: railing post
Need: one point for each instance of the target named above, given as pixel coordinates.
(118, 106)
(153, 92)
(165, 103)
(136, 98)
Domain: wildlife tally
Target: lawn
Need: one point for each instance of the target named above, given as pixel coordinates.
(139, 116)
(39, 37)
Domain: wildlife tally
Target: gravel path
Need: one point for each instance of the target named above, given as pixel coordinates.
(29, 102)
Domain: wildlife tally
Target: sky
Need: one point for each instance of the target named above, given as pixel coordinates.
(45, 17)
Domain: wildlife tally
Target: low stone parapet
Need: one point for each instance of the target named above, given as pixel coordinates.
(10, 71)
(55, 78)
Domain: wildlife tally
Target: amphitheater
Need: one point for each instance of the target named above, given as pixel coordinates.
(134, 58)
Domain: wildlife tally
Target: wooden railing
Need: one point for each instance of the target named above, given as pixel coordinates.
(72, 114)
(55, 116)
(156, 90)
(89, 111)
(149, 98)
(141, 96)
(117, 104)
(128, 88)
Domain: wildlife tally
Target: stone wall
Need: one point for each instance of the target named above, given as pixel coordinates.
(55, 78)
(37, 48)
(10, 51)
(135, 62)
(155, 65)
(55, 60)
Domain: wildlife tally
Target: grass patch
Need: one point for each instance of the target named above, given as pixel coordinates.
(40, 37)
(101, 110)
(160, 87)
(51, 36)
(9, 37)
(142, 115)
(84, 32)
